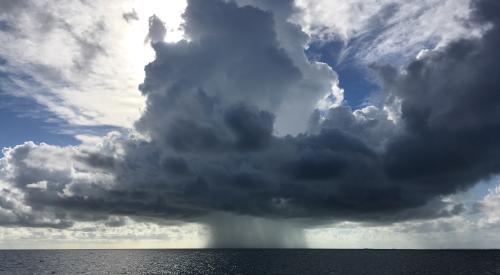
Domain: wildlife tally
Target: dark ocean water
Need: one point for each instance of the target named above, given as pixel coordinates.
(250, 262)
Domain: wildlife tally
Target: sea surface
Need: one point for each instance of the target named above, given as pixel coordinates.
(234, 261)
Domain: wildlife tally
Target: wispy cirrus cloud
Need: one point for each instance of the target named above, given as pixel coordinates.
(81, 61)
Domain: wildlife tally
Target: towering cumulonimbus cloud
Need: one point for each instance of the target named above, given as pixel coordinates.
(219, 106)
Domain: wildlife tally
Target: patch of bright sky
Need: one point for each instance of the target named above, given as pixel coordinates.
(354, 78)
(478, 191)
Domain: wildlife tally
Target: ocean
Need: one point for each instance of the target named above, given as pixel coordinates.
(254, 261)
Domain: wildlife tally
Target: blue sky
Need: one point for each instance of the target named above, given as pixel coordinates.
(23, 119)
(354, 77)
(20, 123)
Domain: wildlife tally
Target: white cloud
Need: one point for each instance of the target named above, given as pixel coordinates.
(38, 185)
(82, 60)
(387, 28)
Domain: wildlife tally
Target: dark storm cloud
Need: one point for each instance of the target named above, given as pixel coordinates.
(450, 107)
(252, 128)
(212, 103)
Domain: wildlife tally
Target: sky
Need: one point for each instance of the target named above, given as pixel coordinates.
(249, 123)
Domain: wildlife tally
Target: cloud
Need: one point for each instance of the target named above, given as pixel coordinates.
(220, 133)
(73, 58)
(387, 30)
(449, 108)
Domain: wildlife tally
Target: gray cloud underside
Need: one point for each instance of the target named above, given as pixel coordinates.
(213, 104)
